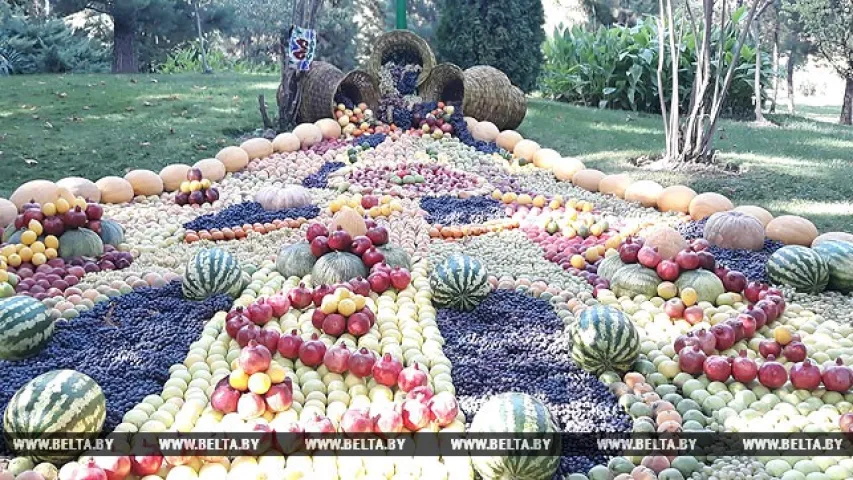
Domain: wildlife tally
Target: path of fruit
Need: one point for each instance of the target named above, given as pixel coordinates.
(543, 228)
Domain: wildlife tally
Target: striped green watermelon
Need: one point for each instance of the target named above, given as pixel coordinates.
(839, 256)
(604, 338)
(59, 401)
(515, 413)
(460, 282)
(211, 272)
(707, 284)
(635, 279)
(800, 267)
(25, 327)
(608, 267)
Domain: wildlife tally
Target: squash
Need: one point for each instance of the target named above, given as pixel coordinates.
(706, 204)
(706, 283)
(508, 139)
(286, 142)
(646, 192)
(396, 256)
(734, 230)
(609, 266)
(832, 236)
(676, 198)
(470, 123)
(257, 148)
(588, 179)
(290, 196)
(761, 214)
(337, 267)
(308, 134)
(295, 260)
(80, 242)
(39, 191)
(485, 132)
(211, 169)
(145, 182)
(566, 168)
(8, 212)
(115, 190)
(12, 235)
(330, 129)
(667, 240)
(634, 279)
(234, 158)
(792, 230)
(525, 149)
(615, 184)
(350, 220)
(173, 175)
(112, 233)
(546, 158)
(81, 187)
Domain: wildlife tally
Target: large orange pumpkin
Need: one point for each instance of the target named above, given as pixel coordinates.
(735, 230)
(508, 139)
(485, 132)
(115, 190)
(676, 198)
(308, 134)
(286, 142)
(646, 192)
(349, 220)
(525, 149)
(761, 214)
(615, 184)
(329, 128)
(588, 179)
(40, 191)
(145, 182)
(234, 158)
(706, 204)
(81, 187)
(792, 230)
(566, 168)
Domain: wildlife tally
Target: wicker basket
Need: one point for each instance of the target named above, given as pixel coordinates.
(324, 81)
(446, 83)
(490, 96)
(402, 42)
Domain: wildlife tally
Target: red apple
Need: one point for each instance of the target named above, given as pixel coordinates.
(674, 307)
(668, 270)
(369, 201)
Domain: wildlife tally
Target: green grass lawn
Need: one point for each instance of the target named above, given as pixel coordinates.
(803, 167)
(97, 125)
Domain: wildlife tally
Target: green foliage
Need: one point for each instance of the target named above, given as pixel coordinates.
(187, 59)
(32, 45)
(616, 67)
(506, 34)
(828, 25)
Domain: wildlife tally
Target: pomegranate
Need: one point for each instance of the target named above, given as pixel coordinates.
(706, 340)
(687, 259)
(357, 420)
(279, 304)
(320, 292)
(412, 377)
(318, 424)
(372, 257)
(89, 471)
(691, 360)
(734, 281)
(386, 370)
(247, 333)
(668, 270)
(769, 347)
(752, 290)
(116, 467)
(421, 394)
(360, 286)
(794, 352)
(360, 244)
(838, 377)
(280, 396)
(225, 397)
(361, 362)
(235, 323)
(649, 257)
(706, 260)
(805, 375)
(749, 324)
(770, 309)
(444, 408)
(289, 437)
(269, 338)
(316, 230)
(358, 323)
(340, 240)
(311, 352)
(416, 415)
(400, 278)
(94, 211)
(254, 358)
(288, 345)
(378, 235)
(744, 369)
(300, 297)
(388, 420)
(725, 336)
(845, 421)
(717, 368)
(629, 251)
(337, 358)
(379, 281)
(317, 319)
(334, 324)
(251, 405)
(772, 374)
(142, 465)
(259, 312)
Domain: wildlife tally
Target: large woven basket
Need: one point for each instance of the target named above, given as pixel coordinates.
(446, 83)
(490, 96)
(324, 80)
(402, 42)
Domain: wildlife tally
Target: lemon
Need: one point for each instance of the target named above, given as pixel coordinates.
(51, 253)
(62, 205)
(51, 241)
(346, 307)
(38, 247)
(28, 237)
(239, 380)
(259, 383)
(49, 209)
(39, 259)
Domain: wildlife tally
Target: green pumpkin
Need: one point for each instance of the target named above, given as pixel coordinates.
(9, 231)
(295, 260)
(112, 233)
(396, 256)
(337, 267)
(80, 242)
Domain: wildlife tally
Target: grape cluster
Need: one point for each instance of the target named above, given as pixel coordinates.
(402, 117)
(515, 343)
(448, 210)
(320, 179)
(371, 141)
(340, 98)
(460, 127)
(248, 213)
(126, 345)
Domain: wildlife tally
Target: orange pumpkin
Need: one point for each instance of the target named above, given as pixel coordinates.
(667, 240)
(676, 198)
(525, 149)
(566, 168)
(546, 158)
(588, 179)
(211, 169)
(508, 139)
(286, 142)
(485, 132)
(308, 134)
(257, 148)
(706, 204)
(734, 230)
(792, 230)
(115, 190)
(145, 182)
(349, 220)
(40, 191)
(646, 192)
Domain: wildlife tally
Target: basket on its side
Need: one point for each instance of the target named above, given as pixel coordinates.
(490, 96)
(324, 81)
(446, 83)
(405, 45)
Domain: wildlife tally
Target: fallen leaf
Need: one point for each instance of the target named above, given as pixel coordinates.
(35, 117)
(144, 144)
(201, 147)
(154, 80)
(147, 104)
(133, 80)
(130, 109)
(86, 107)
(30, 161)
(62, 95)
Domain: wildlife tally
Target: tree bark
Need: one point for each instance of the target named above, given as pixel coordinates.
(775, 64)
(847, 107)
(790, 81)
(124, 46)
(205, 67)
(759, 115)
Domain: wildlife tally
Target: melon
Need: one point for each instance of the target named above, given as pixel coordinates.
(81, 187)
(211, 169)
(508, 139)
(615, 184)
(645, 192)
(485, 132)
(546, 158)
(295, 260)
(257, 148)
(25, 327)
(308, 134)
(350, 221)
(839, 258)
(791, 230)
(588, 179)
(38, 191)
(211, 272)
(828, 236)
(8, 212)
(173, 175)
(337, 267)
(566, 168)
(459, 282)
(676, 198)
(234, 158)
(144, 182)
(800, 267)
(761, 214)
(666, 239)
(329, 128)
(707, 284)
(516, 413)
(286, 142)
(525, 149)
(604, 339)
(115, 190)
(706, 204)
(635, 279)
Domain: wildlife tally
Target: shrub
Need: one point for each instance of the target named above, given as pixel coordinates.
(616, 67)
(187, 59)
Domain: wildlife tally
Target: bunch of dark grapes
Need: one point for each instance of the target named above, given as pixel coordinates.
(340, 98)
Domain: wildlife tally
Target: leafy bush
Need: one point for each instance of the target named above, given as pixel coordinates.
(46, 46)
(187, 59)
(616, 67)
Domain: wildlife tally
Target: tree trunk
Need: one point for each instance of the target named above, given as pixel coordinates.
(205, 67)
(775, 65)
(124, 46)
(759, 115)
(847, 107)
(790, 81)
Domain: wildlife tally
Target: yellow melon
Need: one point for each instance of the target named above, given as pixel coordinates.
(172, 176)
(676, 198)
(145, 182)
(308, 134)
(706, 204)
(211, 169)
(507, 139)
(761, 214)
(81, 187)
(588, 179)
(286, 142)
(485, 132)
(646, 192)
(257, 148)
(115, 190)
(525, 149)
(615, 184)
(792, 230)
(566, 168)
(39, 191)
(546, 158)
(234, 158)
(329, 128)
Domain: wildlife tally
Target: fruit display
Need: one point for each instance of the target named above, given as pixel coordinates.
(196, 190)
(354, 277)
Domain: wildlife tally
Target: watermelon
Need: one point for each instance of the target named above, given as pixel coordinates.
(635, 279)
(516, 413)
(604, 338)
(707, 284)
(800, 267)
(59, 401)
(839, 257)
(211, 272)
(459, 282)
(25, 327)
(608, 267)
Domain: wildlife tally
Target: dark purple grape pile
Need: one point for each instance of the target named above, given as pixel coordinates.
(340, 98)
(248, 212)
(447, 210)
(515, 343)
(320, 179)
(371, 141)
(126, 344)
